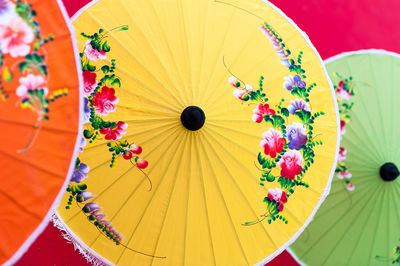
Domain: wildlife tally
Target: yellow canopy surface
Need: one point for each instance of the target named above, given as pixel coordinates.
(213, 198)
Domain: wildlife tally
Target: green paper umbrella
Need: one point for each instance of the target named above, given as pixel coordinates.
(358, 224)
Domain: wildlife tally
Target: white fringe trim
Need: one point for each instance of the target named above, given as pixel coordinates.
(85, 251)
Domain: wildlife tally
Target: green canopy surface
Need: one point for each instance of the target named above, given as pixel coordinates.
(354, 227)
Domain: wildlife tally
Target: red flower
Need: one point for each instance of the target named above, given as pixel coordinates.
(342, 124)
(279, 196)
(89, 82)
(127, 155)
(290, 164)
(142, 164)
(136, 149)
(260, 110)
(273, 142)
(114, 133)
(104, 100)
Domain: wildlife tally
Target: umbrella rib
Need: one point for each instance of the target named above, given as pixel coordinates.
(224, 202)
(144, 211)
(23, 208)
(343, 189)
(379, 101)
(334, 224)
(127, 73)
(133, 134)
(348, 228)
(170, 197)
(168, 46)
(43, 127)
(104, 163)
(238, 187)
(203, 189)
(366, 111)
(216, 60)
(378, 222)
(154, 53)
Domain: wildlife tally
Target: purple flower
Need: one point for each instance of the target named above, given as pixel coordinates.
(80, 173)
(90, 207)
(87, 195)
(86, 110)
(82, 145)
(296, 134)
(298, 104)
(293, 81)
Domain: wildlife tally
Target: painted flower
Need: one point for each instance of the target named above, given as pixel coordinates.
(84, 196)
(90, 207)
(344, 174)
(30, 82)
(239, 94)
(16, 37)
(142, 164)
(341, 92)
(278, 196)
(234, 82)
(115, 133)
(350, 186)
(104, 101)
(80, 173)
(260, 111)
(291, 164)
(298, 104)
(7, 12)
(273, 142)
(89, 82)
(296, 135)
(342, 129)
(86, 110)
(82, 145)
(342, 154)
(293, 81)
(93, 54)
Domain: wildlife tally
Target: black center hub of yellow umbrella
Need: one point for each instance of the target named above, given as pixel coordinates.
(389, 172)
(193, 118)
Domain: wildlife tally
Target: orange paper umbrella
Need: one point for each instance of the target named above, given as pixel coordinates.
(39, 117)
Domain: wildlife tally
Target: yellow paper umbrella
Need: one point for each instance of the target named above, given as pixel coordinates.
(211, 134)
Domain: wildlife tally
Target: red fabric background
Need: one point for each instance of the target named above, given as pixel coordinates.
(334, 26)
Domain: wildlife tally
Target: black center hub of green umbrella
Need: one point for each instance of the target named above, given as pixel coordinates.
(389, 172)
(193, 118)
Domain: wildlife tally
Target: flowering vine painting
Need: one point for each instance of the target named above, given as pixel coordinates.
(23, 56)
(100, 99)
(287, 147)
(344, 91)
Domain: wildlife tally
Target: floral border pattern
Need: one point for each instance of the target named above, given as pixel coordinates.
(100, 84)
(22, 40)
(286, 147)
(344, 92)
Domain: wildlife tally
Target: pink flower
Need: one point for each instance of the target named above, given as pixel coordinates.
(89, 82)
(291, 164)
(350, 186)
(343, 174)
(260, 111)
(342, 154)
(342, 129)
(273, 142)
(239, 94)
(341, 92)
(7, 12)
(130, 151)
(16, 37)
(234, 82)
(93, 54)
(115, 133)
(104, 100)
(277, 195)
(30, 82)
